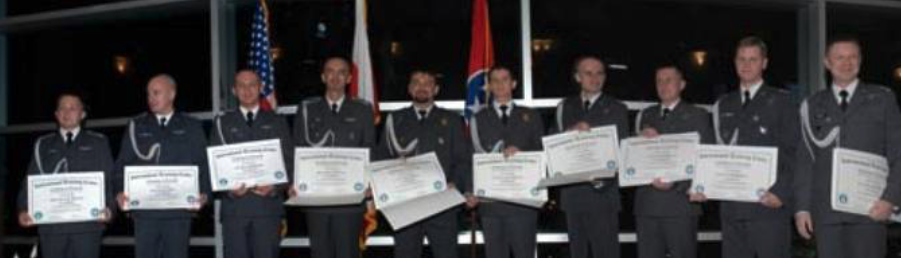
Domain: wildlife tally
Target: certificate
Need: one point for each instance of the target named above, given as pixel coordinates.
(162, 187)
(735, 173)
(249, 163)
(512, 179)
(67, 197)
(329, 176)
(412, 189)
(575, 157)
(858, 180)
(670, 157)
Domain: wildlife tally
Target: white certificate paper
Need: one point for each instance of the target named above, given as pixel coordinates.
(670, 157)
(67, 197)
(735, 173)
(412, 189)
(513, 179)
(858, 180)
(329, 176)
(253, 163)
(162, 187)
(576, 157)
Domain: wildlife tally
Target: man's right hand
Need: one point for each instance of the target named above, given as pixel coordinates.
(804, 224)
(292, 192)
(581, 126)
(697, 197)
(241, 191)
(649, 133)
(25, 219)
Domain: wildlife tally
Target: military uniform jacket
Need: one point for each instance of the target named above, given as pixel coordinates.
(441, 132)
(684, 118)
(871, 123)
(181, 143)
(605, 111)
(766, 121)
(523, 130)
(266, 126)
(88, 152)
(353, 127)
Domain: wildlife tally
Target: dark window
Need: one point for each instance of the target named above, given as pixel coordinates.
(110, 63)
(634, 36)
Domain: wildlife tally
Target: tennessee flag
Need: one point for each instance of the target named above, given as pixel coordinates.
(362, 85)
(481, 58)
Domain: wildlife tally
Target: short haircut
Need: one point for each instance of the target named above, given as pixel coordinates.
(753, 41)
(425, 72)
(71, 94)
(670, 65)
(497, 68)
(337, 57)
(844, 38)
(582, 58)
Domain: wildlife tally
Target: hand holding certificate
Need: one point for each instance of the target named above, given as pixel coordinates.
(162, 187)
(735, 173)
(858, 180)
(329, 176)
(511, 179)
(670, 157)
(412, 189)
(254, 163)
(576, 157)
(67, 197)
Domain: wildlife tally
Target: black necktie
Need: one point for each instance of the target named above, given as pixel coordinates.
(162, 123)
(250, 118)
(747, 95)
(666, 112)
(587, 104)
(422, 115)
(69, 138)
(844, 101)
(335, 108)
(504, 116)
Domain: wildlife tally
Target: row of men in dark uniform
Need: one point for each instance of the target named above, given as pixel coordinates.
(666, 212)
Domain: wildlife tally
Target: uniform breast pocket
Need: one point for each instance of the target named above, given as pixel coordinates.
(821, 125)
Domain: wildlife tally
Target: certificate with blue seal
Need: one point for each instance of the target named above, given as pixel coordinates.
(669, 157)
(408, 190)
(255, 163)
(735, 173)
(66, 197)
(162, 187)
(329, 176)
(511, 179)
(579, 157)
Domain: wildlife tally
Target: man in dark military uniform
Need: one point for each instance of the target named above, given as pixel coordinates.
(592, 208)
(162, 136)
(854, 115)
(666, 222)
(70, 149)
(251, 216)
(334, 121)
(508, 128)
(757, 115)
(419, 129)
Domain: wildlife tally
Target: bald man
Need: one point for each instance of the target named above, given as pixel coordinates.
(162, 137)
(251, 216)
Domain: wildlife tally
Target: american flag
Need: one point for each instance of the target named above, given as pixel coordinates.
(261, 57)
